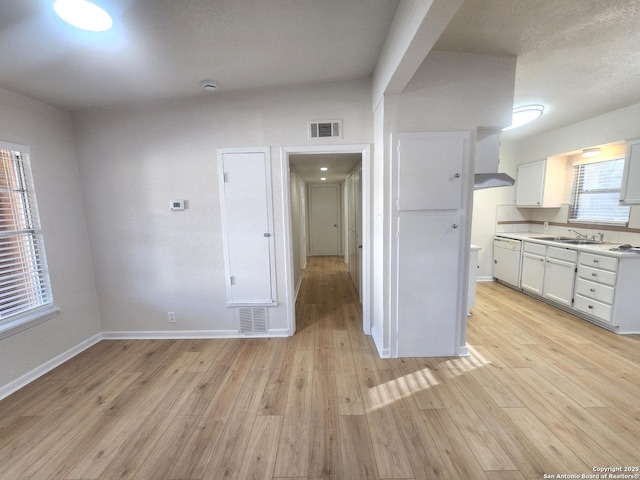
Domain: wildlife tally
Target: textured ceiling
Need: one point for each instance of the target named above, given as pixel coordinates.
(164, 48)
(579, 58)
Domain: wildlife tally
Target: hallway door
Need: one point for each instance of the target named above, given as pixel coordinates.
(354, 226)
(324, 219)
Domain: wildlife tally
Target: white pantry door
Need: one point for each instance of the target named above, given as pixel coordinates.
(247, 218)
(324, 219)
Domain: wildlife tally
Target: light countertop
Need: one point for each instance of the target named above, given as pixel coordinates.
(598, 248)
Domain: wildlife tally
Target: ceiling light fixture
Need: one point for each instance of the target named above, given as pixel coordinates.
(323, 178)
(324, 169)
(590, 152)
(525, 114)
(83, 14)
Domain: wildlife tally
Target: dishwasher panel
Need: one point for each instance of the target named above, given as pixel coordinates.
(506, 260)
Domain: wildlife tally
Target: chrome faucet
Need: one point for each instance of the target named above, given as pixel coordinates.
(601, 237)
(579, 235)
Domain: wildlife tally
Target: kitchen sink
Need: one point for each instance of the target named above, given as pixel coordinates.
(551, 238)
(579, 241)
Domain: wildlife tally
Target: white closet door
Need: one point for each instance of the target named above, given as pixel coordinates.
(245, 197)
(428, 259)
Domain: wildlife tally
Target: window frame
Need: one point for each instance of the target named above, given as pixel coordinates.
(19, 321)
(575, 195)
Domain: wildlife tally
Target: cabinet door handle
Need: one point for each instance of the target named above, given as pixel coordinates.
(457, 175)
(455, 225)
(267, 235)
(595, 260)
(592, 289)
(590, 307)
(594, 274)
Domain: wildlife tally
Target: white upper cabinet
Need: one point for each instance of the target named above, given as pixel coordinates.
(541, 183)
(430, 173)
(630, 191)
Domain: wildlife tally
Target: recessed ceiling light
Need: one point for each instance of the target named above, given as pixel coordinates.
(324, 169)
(323, 178)
(525, 114)
(83, 14)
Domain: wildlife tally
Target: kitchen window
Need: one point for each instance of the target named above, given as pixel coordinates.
(596, 193)
(25, 290)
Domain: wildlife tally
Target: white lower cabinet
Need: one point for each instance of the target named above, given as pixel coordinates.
(595, 289)
(533, 263)
(559, 275)
(549, 272)
(596, 285)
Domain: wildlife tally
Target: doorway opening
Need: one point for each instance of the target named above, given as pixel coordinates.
(345, 232)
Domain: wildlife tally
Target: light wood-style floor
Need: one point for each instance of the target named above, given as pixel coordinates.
(542, 393)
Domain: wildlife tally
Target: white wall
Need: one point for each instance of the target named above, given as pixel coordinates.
(134, 160)
(48, 132)
(611, 127)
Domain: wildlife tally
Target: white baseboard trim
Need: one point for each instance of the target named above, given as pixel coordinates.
(18, 383)
(485, 279)
(190, 334)
(464, 351)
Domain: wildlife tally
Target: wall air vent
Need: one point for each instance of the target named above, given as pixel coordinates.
(252, 320)
(325, 129)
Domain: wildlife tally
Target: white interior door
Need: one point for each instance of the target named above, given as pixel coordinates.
(324, 219)
(355, 226)
(245, 195)
(428, 258)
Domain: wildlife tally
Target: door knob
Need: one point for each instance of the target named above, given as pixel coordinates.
(359, 246)
(267, 235)
(455, 225)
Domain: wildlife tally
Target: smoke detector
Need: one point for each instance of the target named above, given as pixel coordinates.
(209, 85)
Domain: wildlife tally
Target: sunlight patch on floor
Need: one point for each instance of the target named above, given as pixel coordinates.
(413, 383)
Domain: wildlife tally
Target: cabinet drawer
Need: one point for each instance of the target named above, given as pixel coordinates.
(597, 275)
(596, 291)
(593, 308)
(599, 261)
(536, 248)
(565, 254)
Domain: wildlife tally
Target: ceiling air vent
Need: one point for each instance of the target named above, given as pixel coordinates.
(252, 320)
(325, 129)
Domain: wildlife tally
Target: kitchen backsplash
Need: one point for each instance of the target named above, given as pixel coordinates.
(510, 219)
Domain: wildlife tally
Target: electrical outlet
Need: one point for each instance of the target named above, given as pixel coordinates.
(546, 225)
(172, 317)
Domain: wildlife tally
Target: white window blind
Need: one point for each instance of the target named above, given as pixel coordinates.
(24, 279)
(596, 193)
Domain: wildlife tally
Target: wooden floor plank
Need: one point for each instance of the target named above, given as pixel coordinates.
(542, 392)
(293, 448)
(259, 458)
(226, 460)
(325, 457)
(358, 457)
(389, 450)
